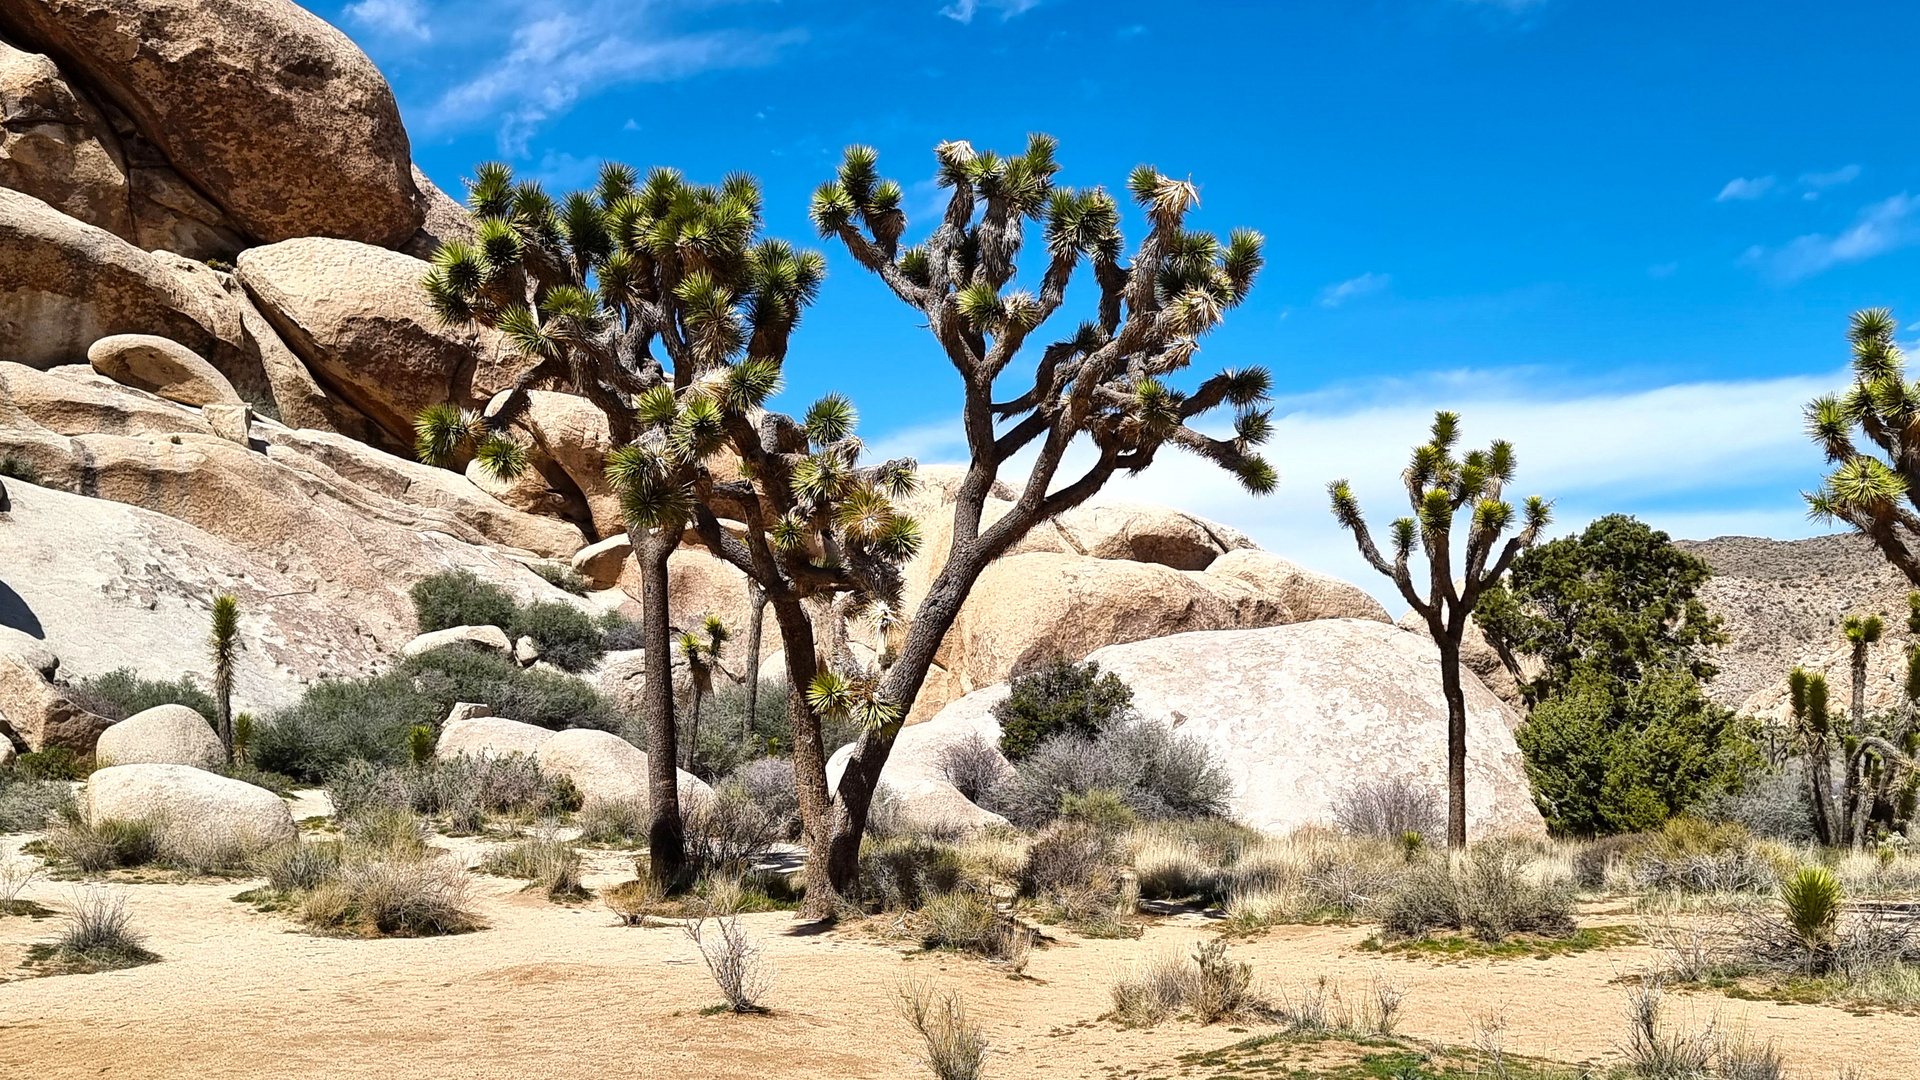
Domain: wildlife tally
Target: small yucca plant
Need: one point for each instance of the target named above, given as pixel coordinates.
(420, 743)
(1812, 898)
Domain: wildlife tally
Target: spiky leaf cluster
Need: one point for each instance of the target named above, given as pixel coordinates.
(1871, 486)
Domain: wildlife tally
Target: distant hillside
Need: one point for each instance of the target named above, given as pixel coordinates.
(1783, 601)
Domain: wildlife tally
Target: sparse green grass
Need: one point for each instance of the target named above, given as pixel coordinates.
(1514, 947)
(1895, 987)
(1309, 1056)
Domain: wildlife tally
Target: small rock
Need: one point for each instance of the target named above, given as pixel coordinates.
(602, 563)
(233, 423)
(34, 712)
(160, 366)
(491, 638)
(526, 651)
(465, 710)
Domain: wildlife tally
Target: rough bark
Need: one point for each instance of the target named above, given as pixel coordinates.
(809, 758)
(755, 624)
(1456, 742)
(666, 835)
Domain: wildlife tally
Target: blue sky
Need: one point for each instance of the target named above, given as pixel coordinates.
(1625, 235)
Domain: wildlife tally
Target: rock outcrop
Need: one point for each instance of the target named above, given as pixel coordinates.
(485, 638)
(915, 768)
(274, 115)
(356, 316)
(34, 714)
(162, 735)
(57, 146)
(190, 805)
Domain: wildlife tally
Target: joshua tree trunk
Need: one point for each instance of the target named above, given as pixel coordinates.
(757, 600)
(809, 759)
(1456, 741)
(666, 835)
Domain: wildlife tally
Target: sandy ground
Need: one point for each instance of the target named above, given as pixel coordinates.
(551, 990)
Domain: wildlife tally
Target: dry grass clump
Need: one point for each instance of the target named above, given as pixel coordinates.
(99, 936)
(1205, 985)
(16, 873)
(381, 879)
(955, 1049)
(1493, 891)
(98, 846)
(635, 901)
(903, 872)
(546, 863)
(461, 792)
(1308, 875)
(965, 922)
(1658, 1050)
(613, 822)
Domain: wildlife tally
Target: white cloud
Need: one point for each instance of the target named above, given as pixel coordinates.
(1882, 227)
(1740, 188)
(558, 53)
(1846, 174)
(964, 10)
(1354, 288)
(1696, 459)
(400, 18)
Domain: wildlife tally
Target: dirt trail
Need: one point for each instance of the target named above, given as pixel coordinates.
(561, 991)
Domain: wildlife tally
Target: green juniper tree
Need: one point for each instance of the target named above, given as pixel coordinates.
(642, 296)
(1439, 486)
(1620, 735)
(1103, 384)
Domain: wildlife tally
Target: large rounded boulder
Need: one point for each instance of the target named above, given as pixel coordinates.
(490, 736)
(56, 145)
(161, 367)
(260, 104)
(1304, 715)
(607, 768)
(190, 802)
(162, 735)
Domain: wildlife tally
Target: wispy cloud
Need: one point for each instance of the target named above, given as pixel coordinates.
(1882, 227)
(1354, 288)
(399, 18)
(556, 53)
(1746, 458)
(1820, 181)
(965, 10)
(1740, 189)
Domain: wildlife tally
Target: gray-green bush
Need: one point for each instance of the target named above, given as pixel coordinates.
(1158, 773)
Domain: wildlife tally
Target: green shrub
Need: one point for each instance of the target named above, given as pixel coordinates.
(619, 633)
(966, 922)
(107, 844)
(16, 467)
(121, 693)
(391, 895)
(463, 788)
(568, 637)
(371, 719)
(28, 805)
(1158, 773)
(614, 822)
(562, 577)
(460, 598)
(1059, 697)
(53, 763)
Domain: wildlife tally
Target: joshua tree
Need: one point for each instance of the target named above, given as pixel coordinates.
(1439, 486)
(1876, 753)
(1874, 494)
(1812, 725)
(1103, 382)
(658, 302)
(222, 643)
(756, 624)
(702, 652)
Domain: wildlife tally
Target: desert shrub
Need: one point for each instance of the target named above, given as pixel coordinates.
(460, 598)
(209, 850)
(121, 693)
(614, 822)
(1390, 809)
(568, 637)
(371, 719)
(99, 934)
(1102, 810)
(562, 577)
(633, 902)
(16, 873)
(301, 867)
(1074, 870)
(464, 788)
(1595, 860)
(1656, 1051)
(53, 763)
(727, 742)
(391, 895)
(1158, 773)
(967, 922)
(901, 873)
(973, 765)
(106, 844)
(1693, 855)
(768, 783)
(1772, 803)
(1059, 697)
(955, 1049)
(621, 634)
(547, 863)
(730, 833)
(1487, 892)
(15, 467)
(1206, 983)
(27, 805)
(738, 966)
